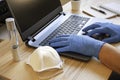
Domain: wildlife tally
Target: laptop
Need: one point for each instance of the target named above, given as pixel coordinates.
(38, 21)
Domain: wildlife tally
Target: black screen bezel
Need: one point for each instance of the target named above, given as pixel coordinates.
(36, 27)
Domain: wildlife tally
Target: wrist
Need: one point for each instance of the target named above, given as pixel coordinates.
(97, 49)
(90, 46)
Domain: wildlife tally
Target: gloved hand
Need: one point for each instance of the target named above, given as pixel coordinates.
(110, 29)
(80, 44)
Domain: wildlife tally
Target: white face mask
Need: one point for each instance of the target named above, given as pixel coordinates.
(46, 61)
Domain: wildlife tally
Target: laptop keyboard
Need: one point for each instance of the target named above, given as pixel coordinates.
(71, 26)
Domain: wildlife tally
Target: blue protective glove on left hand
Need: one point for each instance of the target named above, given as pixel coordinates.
(80, 44)
(104, 28)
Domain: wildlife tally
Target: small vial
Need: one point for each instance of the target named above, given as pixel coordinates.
(11, 27)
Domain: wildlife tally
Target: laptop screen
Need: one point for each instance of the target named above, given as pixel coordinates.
(32, 15)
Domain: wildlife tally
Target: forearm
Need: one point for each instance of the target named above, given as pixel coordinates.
(110, 56)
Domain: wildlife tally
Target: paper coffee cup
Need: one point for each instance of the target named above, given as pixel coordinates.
(75, 5)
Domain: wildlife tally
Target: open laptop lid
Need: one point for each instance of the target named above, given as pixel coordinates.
(32, 15)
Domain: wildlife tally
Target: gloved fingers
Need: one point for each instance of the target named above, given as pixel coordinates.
(62, 49)
(57, 39)
(106, 30)
(59, 44)
(111, 39)
(97, 30)
(93, 26)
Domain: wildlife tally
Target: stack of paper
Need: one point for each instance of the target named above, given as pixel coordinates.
(113, 7)
(91, 12)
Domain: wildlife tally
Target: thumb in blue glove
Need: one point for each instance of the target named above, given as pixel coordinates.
(79, 44)
(104, 28)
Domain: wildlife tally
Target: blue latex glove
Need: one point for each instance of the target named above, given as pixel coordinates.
(80, 44)
(104, 28)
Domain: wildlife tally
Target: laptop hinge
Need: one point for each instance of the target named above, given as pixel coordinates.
(31, 38)
(62, 13)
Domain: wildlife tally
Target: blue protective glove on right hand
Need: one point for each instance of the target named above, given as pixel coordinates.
(80, 44)
(104, 28)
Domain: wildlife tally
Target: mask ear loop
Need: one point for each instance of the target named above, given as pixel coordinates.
(49, 75)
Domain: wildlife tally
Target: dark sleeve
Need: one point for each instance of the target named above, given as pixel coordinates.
(114, 76)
